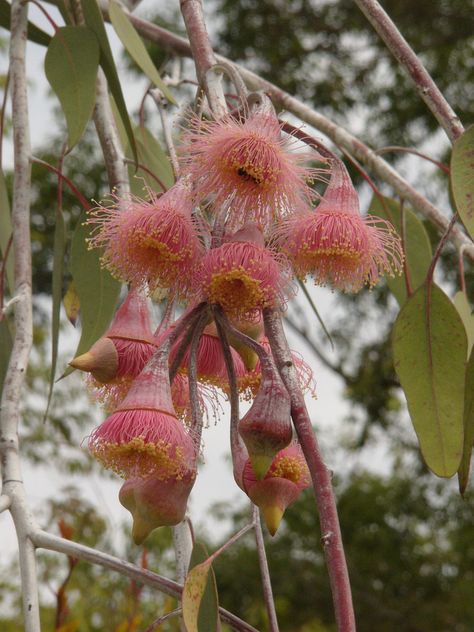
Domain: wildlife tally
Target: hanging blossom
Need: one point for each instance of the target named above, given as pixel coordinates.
(144, 437)
(117, 358)
(243, 276)
(250, 164)
(336, 245)
(154, 242)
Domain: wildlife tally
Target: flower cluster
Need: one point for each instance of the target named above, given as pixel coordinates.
(226, 241)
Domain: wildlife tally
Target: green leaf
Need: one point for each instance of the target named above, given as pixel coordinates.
(208, 617)
(72, 304)
(429, 349)
(418, 250)
(94, 20)
(58, 269)
(35, 34)
(463, 472)
(462, 178)
(6, 345)
(135, 47)
(193, 592)
(467, 315)
(152, 156)
(6, 231)
(98, 292)
(71, 65)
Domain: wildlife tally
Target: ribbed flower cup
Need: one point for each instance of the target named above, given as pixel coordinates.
(144, 437)
(250, 164)
(154, 243)
(116, 359)
(266, 427)
(336, 245)
(243, 276)
(287, 476)
(154, 502)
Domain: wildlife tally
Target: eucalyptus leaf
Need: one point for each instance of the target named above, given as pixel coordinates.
(35, 34)
(94, 20)
(208, 617)
(98, 292)
(58, 272)
(72, 304)
(465, 311)
(71, 65)
(429, 349)
(136, 48)
(463, 472)
(462, 178)
(6, 344)
(193, 593)
(6, 232)
(418, 252)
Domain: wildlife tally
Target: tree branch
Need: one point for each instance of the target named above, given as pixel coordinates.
(265, 573)
(51, 542)
(407, 58)
(331, 533)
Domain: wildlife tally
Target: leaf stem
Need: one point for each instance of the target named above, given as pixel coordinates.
(265, 572)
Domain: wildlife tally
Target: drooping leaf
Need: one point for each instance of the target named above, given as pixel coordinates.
(6, 344)
(94, 20)
(35, 34)
(135, 47)
(462, 178)
(208, 617)
(72, 304)
(98, 292)
(429, 348)
(463, 472)
(464, 308)
(193, 593)
(71, 65)
(418, 250)
(57, 283)
(6, 231)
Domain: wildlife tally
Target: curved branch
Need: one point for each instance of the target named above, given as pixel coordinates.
(51, 542)
(407, 58)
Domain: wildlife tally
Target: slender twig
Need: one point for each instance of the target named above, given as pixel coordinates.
(191, 323)
(415, 152)
(82, 200)
(403, 237)
(265, 572)
(439, 248)
(161, 104)
(109, 139)
(165, 617)
(462, 279)
(203, 55)
(144, 168)
(406, 57)
(10, 413)
(51, 542)
(331, 533)
(183, 547)
(196, 409)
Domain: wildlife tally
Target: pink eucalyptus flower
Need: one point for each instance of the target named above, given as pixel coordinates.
(115, 360)
(250, 164)
(287, 476)
(266, 427)
(243, 276)
(152, 242)
(154, 502)
(144, 437)
(336, 245)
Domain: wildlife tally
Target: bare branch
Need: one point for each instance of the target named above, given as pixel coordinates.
(51, 542)
(320, 475)
(203, 55)
(407, 58)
